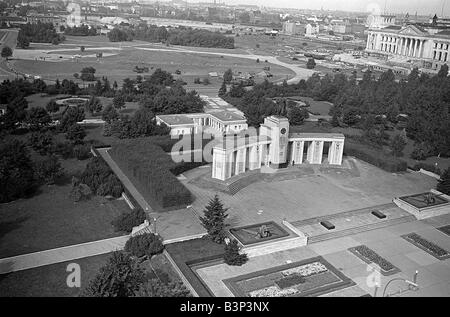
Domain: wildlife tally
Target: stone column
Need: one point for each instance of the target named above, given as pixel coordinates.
(420, 48)
(230, 164)
(331, 151)
(318, 152)
(309, 153)
(298, 158)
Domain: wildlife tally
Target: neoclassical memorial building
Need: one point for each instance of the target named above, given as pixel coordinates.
(274, 147)
(428, 43)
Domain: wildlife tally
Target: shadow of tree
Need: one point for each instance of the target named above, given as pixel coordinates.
(8, 226)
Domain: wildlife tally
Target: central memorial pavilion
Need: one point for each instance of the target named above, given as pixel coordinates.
(274, 147)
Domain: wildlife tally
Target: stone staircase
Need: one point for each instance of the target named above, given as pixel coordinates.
(274, 246)
(350, 231)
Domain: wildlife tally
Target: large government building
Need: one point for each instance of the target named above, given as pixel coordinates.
(426, 45)
(274, 147)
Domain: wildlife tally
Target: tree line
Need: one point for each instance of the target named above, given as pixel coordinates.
(173, 36)
(39, 33)
(422, 99)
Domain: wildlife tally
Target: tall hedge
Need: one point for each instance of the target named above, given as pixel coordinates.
(375, 157)
(151, 167)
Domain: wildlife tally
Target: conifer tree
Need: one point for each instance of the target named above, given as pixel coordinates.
(223, 89)
(214, 219)
(444, 183)
(232, 255)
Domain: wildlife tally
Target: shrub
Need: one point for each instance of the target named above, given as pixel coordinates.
(150, 166)
(48, 170)
(444, 183)
(65, 149)
(79, 190)
(374, 157)
(126, 221)
(147, 244)
(232, 255)
(101, 179)
(41, 142)
(419, 153)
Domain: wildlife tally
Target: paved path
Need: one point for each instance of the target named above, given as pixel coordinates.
(171, 225)
(63, 254)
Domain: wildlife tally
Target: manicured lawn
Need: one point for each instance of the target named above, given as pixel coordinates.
(50, 219)
(50, 280)
(192, 252)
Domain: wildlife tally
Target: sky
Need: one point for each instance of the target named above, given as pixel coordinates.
(425, 7)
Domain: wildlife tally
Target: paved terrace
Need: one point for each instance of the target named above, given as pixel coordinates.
(433, 278)
(318, 191)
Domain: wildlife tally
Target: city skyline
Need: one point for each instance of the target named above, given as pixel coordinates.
(398, 6)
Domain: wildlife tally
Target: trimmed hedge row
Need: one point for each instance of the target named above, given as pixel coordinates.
(151, 166)
(375, 157)
(428, 167)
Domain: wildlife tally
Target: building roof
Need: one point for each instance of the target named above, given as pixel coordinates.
(317, 135)
(176, 119)
(227, 116)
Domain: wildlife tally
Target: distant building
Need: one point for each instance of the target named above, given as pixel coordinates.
(377, 21)
(312, 29)
(426, 43)
(293, 28)
(221, 122)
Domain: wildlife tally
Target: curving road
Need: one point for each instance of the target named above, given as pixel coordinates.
(300, 72)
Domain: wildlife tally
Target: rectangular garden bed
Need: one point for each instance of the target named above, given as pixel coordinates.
(427, 246)
(193, 254)
(310, 277)
(419, 200)
(445, 229)
(251, 234)
(369, 256)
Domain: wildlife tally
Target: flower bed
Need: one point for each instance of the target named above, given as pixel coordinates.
(428, 246)
(369, 256)
(249, 234)
(311, 277)
(420, 200)
(445, 229)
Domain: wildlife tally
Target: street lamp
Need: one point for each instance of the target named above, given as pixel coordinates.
(412, 285)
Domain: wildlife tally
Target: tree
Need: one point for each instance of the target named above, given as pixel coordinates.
(297, 115)
(79, 191)
(52, 106)
(22, 40)
(147, 244)
(444, 183)
(119, 101)
(82, 49)
(71, 117)
(6, 52)
(110, 114)
(127, 221)
(232, 255)
(214, 219)
(42, 142)
(443, 71)
(93, 105)
(335, 120)
(397, 145)
(154, 287)
(228, 76)
(311, 64)
(38, 118)
(76, 134)
(120, 277)
(48, 170)
(88, 74)
(16, 171)
(223, 89)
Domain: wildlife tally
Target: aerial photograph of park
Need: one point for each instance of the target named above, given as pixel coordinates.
(224, 149)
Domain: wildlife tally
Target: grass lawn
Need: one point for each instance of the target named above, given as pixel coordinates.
(192, 252)
(50, 219)
(50, 280)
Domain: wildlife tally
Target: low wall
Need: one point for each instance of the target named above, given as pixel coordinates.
(431, 174)
(427, 212)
